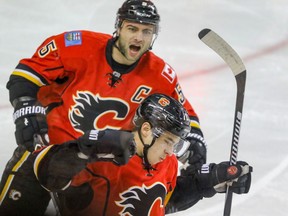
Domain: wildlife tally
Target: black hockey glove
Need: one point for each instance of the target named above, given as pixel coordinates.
(215, 177)
(196, 154)
(108, 145)
(31, 126)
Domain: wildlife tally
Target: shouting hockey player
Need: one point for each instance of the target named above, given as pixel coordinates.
(81, 80)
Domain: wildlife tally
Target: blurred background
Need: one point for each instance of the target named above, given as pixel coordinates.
(256, 29)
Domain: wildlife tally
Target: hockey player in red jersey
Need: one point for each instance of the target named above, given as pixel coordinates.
(81, 80)
(141, 185)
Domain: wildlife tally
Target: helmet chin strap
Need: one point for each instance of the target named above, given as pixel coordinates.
(146, 163)
(117, 47)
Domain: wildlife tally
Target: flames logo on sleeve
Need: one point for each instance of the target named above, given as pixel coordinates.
(90, 110)
(141, 200)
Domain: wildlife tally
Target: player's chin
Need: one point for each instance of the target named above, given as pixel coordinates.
(154, 161)
(133, 59)
(134, 56)
(160, 159)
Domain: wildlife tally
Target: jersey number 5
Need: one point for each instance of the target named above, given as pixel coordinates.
(44, 51)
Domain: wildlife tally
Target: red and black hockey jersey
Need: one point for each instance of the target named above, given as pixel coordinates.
(102, 187)
(75, 76)
(128, 189)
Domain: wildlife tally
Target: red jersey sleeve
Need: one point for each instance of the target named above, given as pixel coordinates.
(48, 63)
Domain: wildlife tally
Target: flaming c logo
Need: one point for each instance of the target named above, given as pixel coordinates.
(90, 110)
(140, 200)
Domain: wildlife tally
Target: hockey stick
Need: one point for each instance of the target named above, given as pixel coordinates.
(232, 59)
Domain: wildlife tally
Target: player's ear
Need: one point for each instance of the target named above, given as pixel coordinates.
(146, 130)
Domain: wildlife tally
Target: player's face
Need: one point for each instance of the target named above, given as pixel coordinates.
(163, 147)
(134, 40)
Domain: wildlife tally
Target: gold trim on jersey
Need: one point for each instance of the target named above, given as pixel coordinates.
(11, 176)
(167, 197)
(29, 76)
(195, 124)
(39, 159)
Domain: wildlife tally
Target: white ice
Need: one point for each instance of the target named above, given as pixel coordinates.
(258, 31)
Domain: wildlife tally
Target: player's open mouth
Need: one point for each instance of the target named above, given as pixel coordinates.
(134, 49)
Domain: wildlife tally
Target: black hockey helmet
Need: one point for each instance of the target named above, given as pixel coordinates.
(140, 11)
(164, 114)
